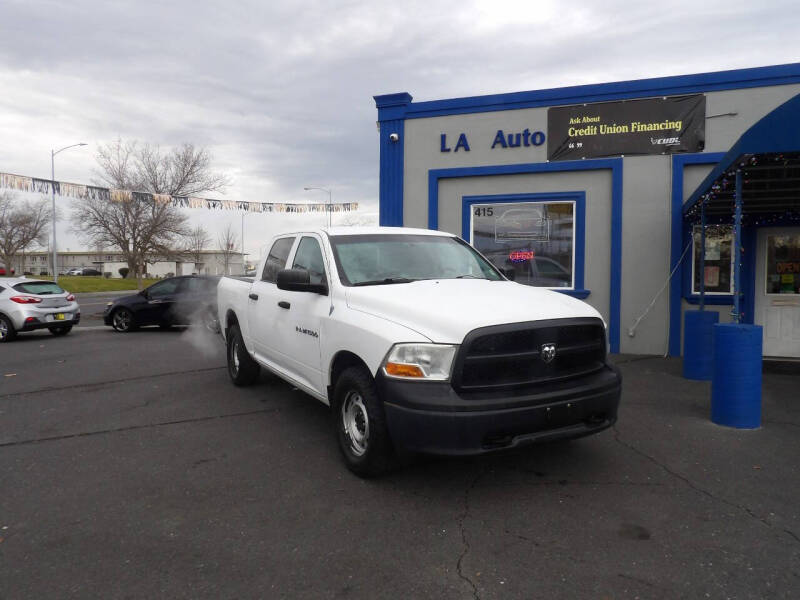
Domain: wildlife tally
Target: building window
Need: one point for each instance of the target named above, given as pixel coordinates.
(718, 275)
(783, 264)
(533, 240)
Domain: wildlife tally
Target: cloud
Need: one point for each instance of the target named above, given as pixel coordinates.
(282, 96)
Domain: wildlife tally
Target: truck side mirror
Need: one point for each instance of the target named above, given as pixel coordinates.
(299, 280)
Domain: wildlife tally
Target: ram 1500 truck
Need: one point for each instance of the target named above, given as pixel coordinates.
(417, 342)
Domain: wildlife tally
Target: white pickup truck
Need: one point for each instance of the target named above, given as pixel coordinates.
(419, 343)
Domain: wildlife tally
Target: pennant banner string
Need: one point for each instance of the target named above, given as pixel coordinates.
(81, 192)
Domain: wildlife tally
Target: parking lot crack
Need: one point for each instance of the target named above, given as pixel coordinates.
(464, 541)
(696, 487)
(100, 384)
(134, 427)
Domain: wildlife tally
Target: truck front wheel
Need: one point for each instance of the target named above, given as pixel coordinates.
(243, 370)
(360, 424)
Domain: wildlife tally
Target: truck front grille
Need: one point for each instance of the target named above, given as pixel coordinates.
(511, 356)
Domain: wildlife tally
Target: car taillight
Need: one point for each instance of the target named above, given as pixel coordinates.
(71, 298)
(26, 299)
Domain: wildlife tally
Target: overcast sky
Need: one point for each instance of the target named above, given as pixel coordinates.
(281, 92)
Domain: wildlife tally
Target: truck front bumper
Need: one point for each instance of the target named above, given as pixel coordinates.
(432, 418)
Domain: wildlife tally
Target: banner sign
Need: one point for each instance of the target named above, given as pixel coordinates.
(75, 190)
(650, 126)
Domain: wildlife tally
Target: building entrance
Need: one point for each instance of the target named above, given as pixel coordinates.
(777, 294)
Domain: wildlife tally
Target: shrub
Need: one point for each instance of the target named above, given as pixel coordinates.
(123, 272)
(42, 272)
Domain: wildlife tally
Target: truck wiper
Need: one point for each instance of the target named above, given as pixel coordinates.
(386, 281)
(470, 277)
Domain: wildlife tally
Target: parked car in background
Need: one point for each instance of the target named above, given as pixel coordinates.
(173, 301)
(83, 271)
(29, 304)
(3, 272)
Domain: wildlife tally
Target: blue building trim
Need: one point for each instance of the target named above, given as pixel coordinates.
(579, 245)
(603, 92)
(391, 108)
(677, 243)
(390, 211)
(612, 164)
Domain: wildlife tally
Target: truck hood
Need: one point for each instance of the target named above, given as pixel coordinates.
(445, 310)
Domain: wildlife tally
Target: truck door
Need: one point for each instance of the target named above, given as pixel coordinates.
(262, 303)
(299, 326)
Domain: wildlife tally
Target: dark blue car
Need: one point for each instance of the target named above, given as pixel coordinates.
(173, 301)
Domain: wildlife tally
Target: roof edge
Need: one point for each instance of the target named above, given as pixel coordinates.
(599, 92)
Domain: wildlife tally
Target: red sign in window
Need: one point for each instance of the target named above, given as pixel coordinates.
(520, 255)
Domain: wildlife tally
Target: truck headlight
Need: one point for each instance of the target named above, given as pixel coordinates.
(420, 361)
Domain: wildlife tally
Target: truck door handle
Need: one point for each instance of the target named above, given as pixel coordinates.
(284, 304)
(253, 296)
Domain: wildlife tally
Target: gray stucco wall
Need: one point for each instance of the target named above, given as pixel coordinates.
(647, 180)
(596, 184)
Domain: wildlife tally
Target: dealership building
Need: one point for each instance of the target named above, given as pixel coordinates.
(623, 194)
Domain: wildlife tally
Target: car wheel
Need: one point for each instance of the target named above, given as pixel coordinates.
(243, 370)
(122, 320)
(360, 424)
(62, 330)
(7, 331)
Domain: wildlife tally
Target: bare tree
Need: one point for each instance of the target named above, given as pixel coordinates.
(197, 241)
(21, 225)
(144, 230)
(228, 242)
(182, 171)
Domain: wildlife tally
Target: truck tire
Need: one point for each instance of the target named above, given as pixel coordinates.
(243, 370)
(360, 424)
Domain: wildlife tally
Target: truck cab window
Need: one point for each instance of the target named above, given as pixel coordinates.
(309, 257)
(276, 260)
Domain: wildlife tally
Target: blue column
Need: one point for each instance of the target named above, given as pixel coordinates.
(391, 115)
(737, 249)
(702, 254)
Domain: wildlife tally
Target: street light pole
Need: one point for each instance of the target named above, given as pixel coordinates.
(53, 191)
(329, 199)
(244, 267)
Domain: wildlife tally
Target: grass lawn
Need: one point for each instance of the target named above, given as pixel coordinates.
(78, 284)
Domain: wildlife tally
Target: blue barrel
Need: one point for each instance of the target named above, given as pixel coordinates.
(736, 382)
(698, 343)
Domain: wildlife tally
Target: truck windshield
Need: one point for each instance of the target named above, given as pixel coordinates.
(388, 259)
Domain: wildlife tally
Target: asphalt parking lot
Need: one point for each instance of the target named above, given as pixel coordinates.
(131, 468)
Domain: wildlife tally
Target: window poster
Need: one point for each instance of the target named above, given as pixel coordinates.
(711, 278)
(712, 248)
(718, 269)
(533, 242)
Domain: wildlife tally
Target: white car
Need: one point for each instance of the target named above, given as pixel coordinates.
(416, 341)
(30, 304)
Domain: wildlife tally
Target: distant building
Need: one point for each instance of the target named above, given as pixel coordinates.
(212, 263)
